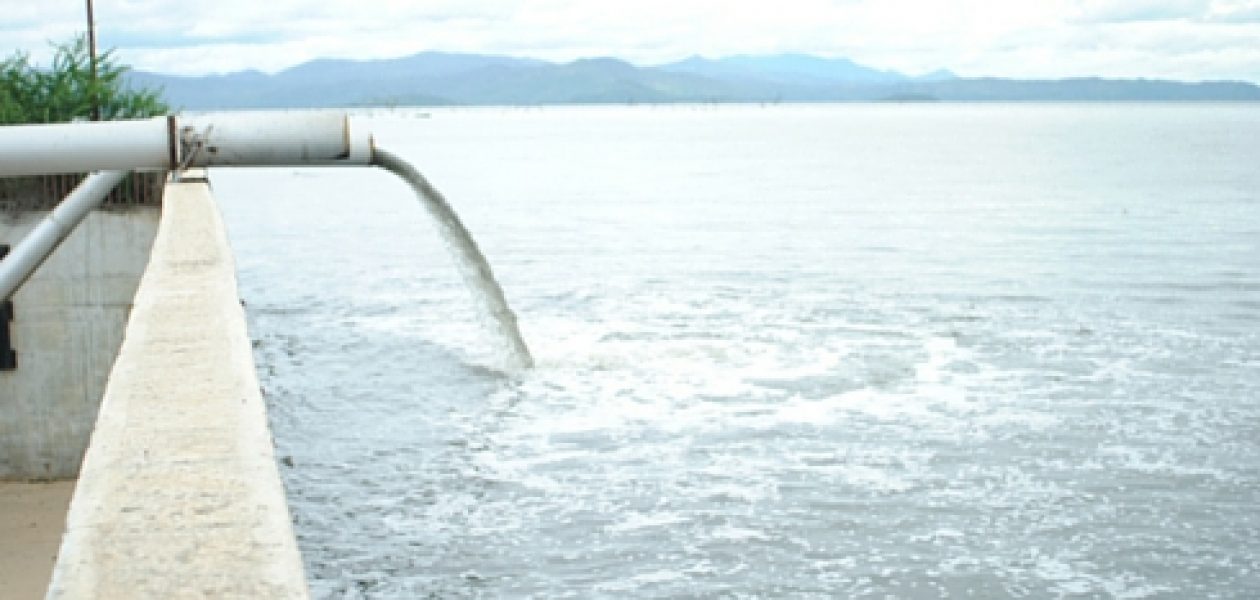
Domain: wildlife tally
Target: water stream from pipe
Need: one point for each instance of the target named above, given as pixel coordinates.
(468, 257)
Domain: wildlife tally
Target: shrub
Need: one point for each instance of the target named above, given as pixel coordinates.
(66, 91)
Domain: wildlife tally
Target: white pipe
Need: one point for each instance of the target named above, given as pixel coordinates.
(41, 241)
(166, 143)
(273, 139)
(83, 147)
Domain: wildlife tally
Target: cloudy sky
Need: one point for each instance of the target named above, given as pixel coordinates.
(1177, 39)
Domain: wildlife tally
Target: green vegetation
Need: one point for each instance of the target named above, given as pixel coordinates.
(66, 91)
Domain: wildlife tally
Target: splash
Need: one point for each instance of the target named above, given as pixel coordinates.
(472, 263)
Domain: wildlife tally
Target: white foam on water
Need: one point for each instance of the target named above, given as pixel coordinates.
(739, 534)
(1157, 461)
(639, 521)
(641, 580)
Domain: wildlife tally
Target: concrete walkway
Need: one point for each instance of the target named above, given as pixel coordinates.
(179, 496)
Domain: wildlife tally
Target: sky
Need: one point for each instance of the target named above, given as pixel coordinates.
(1168, 39)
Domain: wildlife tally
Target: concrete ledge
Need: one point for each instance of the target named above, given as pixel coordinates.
(179, 496)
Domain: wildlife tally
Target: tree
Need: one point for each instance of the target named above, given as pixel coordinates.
(66, 91)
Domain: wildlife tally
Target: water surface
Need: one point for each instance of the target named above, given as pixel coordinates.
(947, 351)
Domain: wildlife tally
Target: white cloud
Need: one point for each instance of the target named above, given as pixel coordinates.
(1192, 39)
(1120, 11)
(1235, 11)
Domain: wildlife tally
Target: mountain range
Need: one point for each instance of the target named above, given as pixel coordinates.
(438, 79)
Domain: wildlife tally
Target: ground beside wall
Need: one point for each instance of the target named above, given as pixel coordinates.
(32, 518)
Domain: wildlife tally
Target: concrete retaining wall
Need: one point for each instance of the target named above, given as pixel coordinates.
(68, 325)
(179, 496)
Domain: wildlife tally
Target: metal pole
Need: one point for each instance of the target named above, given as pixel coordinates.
(96, 101)
(41, 241)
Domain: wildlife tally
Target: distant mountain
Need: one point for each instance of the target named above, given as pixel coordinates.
(436, 78)
(937, 75)
(586, 81)
(331, 82)
(784, 69)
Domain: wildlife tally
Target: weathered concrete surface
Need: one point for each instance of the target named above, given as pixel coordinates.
(68, 325)
(179, 496)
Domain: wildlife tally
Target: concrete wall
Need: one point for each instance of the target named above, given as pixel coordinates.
(67, 328)
(179, 496)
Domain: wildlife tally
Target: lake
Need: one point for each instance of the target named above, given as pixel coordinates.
(812, 351)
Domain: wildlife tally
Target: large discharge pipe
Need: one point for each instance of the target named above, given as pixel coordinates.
(229, 139)
(159, 144)
(176, 142)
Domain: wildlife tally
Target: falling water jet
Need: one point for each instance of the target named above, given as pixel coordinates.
(472, 263)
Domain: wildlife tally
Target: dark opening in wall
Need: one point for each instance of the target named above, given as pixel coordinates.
(8, 357)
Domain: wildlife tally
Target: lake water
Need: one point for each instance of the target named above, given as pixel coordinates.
(858, 351)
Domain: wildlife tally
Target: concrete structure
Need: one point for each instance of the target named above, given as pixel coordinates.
(179, 496)
(72, 312)
(67, 327)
